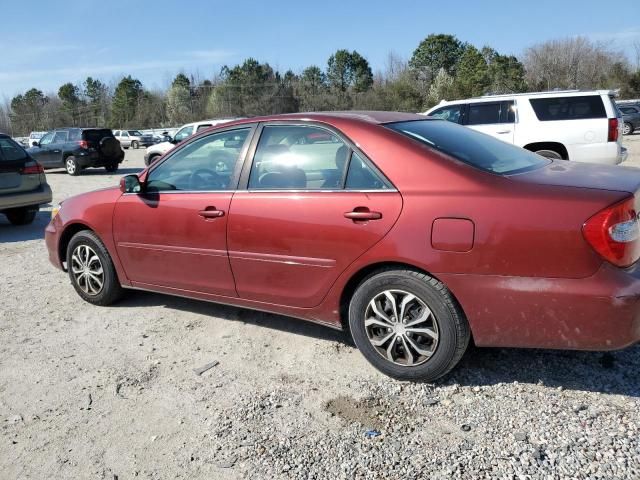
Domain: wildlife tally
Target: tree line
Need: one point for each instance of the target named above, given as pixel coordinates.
(441, 67)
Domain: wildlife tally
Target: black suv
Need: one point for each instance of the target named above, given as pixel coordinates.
(78, 148)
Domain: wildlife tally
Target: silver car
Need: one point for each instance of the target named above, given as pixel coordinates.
(133, 138)
(23, 185)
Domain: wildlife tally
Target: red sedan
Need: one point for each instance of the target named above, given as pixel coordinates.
(414, 234)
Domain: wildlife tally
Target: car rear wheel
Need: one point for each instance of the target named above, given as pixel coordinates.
(549, 154)
(91, 269)
(71, 165)
(627, 129)
(22, 216)
(111, 168)
(134, 144)
(408, 325)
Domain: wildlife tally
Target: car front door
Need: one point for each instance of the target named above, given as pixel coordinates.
(309, 210)
(56, 148)
(493, 118)
(174, 233)
(42, 153)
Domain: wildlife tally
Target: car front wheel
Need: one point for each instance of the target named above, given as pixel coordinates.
(408, 325)
(91, 269)
(21, 216)
(134, 145)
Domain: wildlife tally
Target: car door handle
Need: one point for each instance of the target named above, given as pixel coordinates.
(211, 212)
(57, 151)
(502, 132)
(358, 215)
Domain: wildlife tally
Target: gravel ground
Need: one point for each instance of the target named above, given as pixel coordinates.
(111, 393)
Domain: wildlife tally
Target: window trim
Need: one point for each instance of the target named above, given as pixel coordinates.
(235, 177)
(248, 162)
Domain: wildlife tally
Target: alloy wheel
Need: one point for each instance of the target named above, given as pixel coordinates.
(87, 270)
(71, 166)
(401, 327)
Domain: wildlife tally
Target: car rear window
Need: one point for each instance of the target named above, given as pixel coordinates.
(95, 135)
(568, 108)
(471, 147)
(10, 151)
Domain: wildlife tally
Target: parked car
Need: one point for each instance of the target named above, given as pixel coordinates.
(155, 151)
(34, 137)
(78, 148)
(570, 125)
(23, 185)
(630, 117)
(412, 233)
(133, 138)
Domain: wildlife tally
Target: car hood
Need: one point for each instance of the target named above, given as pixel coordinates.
(584, 175)
(161, 147)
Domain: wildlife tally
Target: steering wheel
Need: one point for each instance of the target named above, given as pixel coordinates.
(205, 179)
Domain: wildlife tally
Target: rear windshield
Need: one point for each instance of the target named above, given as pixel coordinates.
(10, 151)
(475, 148)
(95, 135)
(568, 108)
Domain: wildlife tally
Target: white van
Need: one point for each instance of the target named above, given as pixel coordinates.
(583, 126)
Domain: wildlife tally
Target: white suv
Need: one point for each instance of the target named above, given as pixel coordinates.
(156, 151)
(584, 126)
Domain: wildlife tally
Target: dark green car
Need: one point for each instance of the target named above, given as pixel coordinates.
(23, 185)
(75, 149)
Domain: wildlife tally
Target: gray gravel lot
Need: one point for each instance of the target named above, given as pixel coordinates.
(110, 392)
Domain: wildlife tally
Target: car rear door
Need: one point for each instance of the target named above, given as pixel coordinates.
(493, 118)
(308, 211)
(174, 233)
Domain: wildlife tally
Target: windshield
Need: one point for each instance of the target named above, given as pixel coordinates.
(477, 149)
(135, 133)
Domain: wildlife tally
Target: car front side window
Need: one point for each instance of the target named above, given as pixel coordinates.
(183, 133)
(451, 114)
(206, 164)
(47, 138)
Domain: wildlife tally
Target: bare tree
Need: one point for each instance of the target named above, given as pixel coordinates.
(570, 63)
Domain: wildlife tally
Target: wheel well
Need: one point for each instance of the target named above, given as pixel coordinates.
(555, 146)
(361, 275)
(66, 237)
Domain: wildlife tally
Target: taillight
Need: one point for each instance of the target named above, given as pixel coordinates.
(32, 168)
(615, 233)
(613, 130)
(83, 144)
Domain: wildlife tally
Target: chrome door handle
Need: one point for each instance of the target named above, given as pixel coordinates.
(502, 132)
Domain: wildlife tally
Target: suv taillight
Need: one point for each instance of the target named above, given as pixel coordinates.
(613, 130)
(615, 233)
(32, 168)
(83, 144)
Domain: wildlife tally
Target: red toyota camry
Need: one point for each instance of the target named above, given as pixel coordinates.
(414, 234)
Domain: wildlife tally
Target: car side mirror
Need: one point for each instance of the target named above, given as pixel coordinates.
(130, 184)
(36, 144)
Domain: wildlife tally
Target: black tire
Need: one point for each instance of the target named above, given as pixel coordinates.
(111, 168)
(22, 216)
(452, 327)
(548, 153)
(135, 145)
(111, 290)
(71, 166)
(627, 128)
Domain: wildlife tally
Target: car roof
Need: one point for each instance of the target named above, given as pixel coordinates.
(374, 117)
(546, 94)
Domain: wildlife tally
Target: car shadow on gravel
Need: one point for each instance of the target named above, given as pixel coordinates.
(263, 319)
(611, 372)
(21, 233)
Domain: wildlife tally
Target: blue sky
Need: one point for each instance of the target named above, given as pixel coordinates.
(48, 43)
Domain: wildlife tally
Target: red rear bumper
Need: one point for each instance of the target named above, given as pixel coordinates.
(601, 312)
